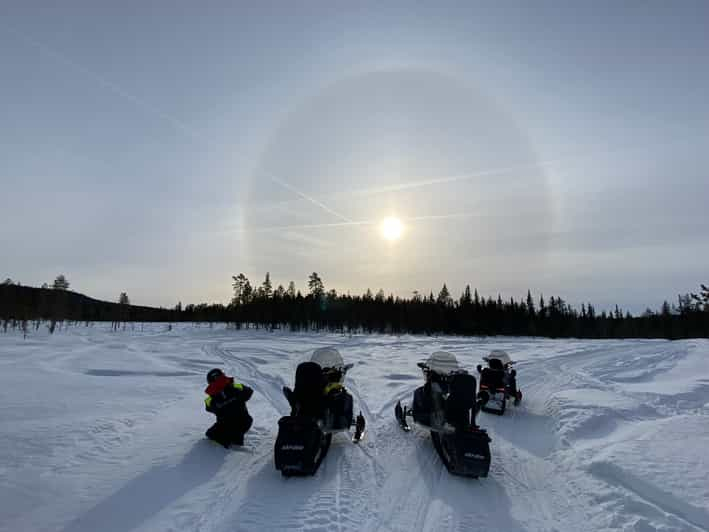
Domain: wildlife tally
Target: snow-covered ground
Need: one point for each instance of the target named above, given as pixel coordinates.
(103, 431)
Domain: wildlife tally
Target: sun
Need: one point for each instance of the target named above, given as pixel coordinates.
(391, 228)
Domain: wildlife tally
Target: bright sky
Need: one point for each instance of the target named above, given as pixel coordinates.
(159, 148)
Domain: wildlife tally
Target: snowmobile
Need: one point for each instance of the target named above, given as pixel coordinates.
(446, 405)
(320, 407)
(498, 381)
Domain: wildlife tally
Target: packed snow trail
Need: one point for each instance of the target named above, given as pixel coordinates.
(104, 430)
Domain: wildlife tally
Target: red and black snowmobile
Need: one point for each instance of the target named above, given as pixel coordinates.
(499, 382)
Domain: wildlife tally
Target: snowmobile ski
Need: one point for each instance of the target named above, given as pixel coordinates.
(359, 429)
(400, 414)
(518, 397)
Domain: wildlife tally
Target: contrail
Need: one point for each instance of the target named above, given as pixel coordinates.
(107, 85)
(310, 199)
(440, 217)
(397, 187)
(570, 159)
(149, 108)
(353, 223)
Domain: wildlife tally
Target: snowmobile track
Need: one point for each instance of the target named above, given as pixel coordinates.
(269, 386)
(592, 447)
(697, 518)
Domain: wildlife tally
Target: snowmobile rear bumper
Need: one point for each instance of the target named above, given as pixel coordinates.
(496, 403)
(300, 446)
(465, 453)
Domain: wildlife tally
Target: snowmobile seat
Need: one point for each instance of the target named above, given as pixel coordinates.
(461, 401)
(308, 391)
(338, 410)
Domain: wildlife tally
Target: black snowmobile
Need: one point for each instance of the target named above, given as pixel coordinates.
(320, 406)
(499, 382)
(446, 405)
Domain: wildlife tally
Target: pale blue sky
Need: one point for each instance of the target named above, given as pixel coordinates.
(160, 147)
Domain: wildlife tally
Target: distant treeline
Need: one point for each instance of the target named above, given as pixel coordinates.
(321, 310)
(20, 304)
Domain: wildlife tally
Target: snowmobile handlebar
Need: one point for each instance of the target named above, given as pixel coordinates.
(338, 369)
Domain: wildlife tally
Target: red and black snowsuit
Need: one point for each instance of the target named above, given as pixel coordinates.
(227, 400)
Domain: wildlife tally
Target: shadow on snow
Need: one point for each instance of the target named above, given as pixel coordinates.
(147, 494)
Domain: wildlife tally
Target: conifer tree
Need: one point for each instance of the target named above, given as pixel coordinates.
(316, 286)
(60, 283)
(242, 290)
(267, 287)
(530, 303)
(466, 299)
(444, 297)
(291, 290)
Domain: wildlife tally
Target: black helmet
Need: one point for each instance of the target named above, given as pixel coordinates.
(213, 375)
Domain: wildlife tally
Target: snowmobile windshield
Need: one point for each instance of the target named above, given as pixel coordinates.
(327, 357)
(442, 363)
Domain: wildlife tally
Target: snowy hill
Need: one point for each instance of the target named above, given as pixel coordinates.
(104, 431)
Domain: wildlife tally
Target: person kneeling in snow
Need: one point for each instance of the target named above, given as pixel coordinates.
(226, 399)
